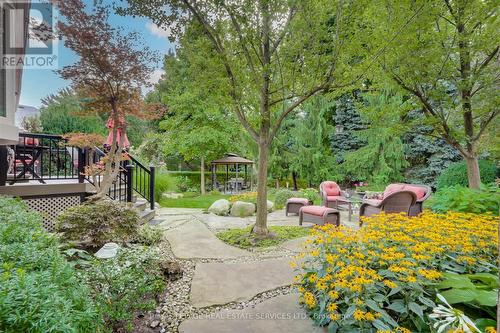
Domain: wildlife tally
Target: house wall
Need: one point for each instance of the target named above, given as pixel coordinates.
(11, 81)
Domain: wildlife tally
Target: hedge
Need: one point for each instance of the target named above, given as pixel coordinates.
(456, 174)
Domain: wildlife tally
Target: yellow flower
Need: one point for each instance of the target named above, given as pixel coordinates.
(490, 329)
(403, 330)
(309, 300)
(390, 284)
(358, 315)
(332, 307)
(369, 316)
(312, 278)
(333, 294)
(334, 316)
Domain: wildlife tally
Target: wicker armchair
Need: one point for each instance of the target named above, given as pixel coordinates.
(423, 192)
(331, 195)
(396, 202)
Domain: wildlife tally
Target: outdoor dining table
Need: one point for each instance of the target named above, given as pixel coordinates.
(35, 153)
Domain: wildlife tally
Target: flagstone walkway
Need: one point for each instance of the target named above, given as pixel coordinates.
(230, 289)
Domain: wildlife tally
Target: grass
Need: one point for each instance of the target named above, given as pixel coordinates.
(192, 200)
(244, 239)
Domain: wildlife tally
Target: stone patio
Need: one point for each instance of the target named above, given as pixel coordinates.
(221, 283)
(230, 289)
(279, 314)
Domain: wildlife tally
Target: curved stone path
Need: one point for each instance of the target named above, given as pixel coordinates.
(225, 292)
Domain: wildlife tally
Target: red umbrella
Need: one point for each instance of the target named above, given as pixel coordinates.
(119, 132)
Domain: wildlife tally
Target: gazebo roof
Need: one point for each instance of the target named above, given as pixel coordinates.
(232, 159)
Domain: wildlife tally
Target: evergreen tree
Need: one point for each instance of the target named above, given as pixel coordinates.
(348, 122)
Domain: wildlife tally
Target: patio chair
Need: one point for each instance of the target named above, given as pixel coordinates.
(395, 202)
(331, 194)
(422, 192)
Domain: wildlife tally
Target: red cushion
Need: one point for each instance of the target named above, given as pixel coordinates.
(29, 141)
(335, 197)
(298, 200)
(315, 210)
(330, 188)
(392, 188)
(419, 191)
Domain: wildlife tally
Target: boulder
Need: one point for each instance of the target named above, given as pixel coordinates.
(242, 209)
(270, 206)
(220, 207)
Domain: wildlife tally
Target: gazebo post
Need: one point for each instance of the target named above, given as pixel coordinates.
(227, 178)
(213, 182)
(236, 180)
(245, 180)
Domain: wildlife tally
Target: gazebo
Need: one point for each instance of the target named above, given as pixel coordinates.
(232, 162)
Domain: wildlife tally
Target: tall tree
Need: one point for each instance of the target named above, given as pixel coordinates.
(110, 71)
(348, 122)
(447, 59)
(274, 54)
(382, 160)
(198, 123)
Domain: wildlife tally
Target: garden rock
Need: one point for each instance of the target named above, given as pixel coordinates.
(242, 209)
(220, 207)
(171, 269)
(109, 250)
(173, 195)
(270, 206)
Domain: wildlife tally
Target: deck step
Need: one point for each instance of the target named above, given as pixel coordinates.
(147, 215)
(141, 204)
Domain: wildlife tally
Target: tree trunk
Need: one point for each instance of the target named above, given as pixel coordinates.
(260, 227)
(473, 174)
(202, 175)
(294, 178)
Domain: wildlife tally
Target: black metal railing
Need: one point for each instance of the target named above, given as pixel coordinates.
(44, 157)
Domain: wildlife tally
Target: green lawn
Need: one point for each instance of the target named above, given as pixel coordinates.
(192, 200)
(244, 239)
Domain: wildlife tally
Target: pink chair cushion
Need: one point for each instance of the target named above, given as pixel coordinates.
(315, 210)
(419, 192)
(298, 200)
(335, 197)
(392, 188)
(331, 188)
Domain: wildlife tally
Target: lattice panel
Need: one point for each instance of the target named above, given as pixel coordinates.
(51, 207)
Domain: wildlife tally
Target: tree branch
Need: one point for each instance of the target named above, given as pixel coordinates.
(484, 124)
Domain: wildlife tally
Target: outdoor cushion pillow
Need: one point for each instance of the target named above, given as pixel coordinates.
(331, 188)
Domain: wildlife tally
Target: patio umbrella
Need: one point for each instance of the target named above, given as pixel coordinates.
(119, 132)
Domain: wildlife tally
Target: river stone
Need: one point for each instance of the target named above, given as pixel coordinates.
(220, 207)
(270, 206)
(242, 209)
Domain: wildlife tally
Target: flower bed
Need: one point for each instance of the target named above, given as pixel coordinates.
(384, 276)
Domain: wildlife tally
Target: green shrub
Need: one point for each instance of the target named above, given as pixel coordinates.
(125, 284)
(465, 200)
(282, 196)
(456, 174)
(311, 194)
(164, 182)
(149, 235)
(183, 183)
(96, 223)
(39, 290)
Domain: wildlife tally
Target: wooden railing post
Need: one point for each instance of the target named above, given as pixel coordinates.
(152, 187)
(130, 173)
